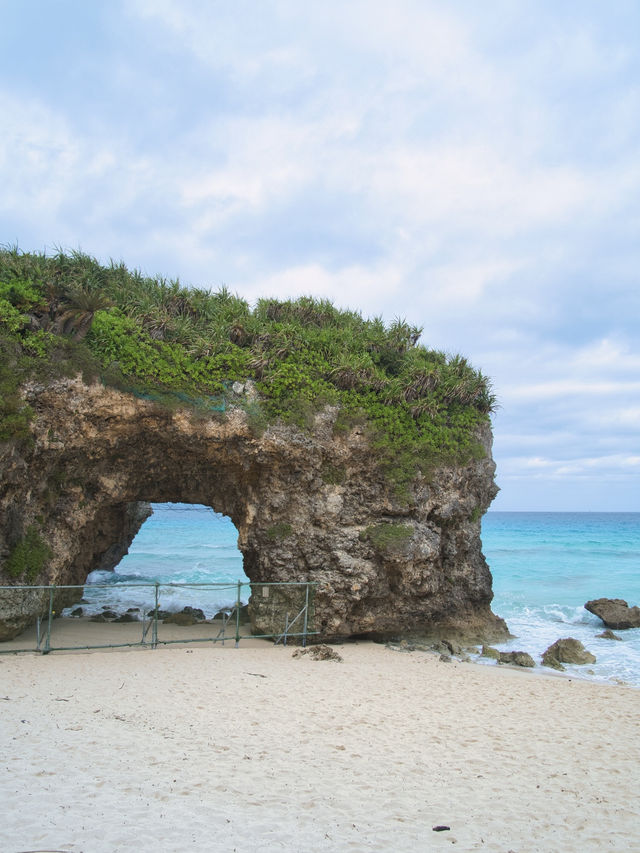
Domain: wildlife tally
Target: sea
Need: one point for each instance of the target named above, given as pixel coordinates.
(545, 566)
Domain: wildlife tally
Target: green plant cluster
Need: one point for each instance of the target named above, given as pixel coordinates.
(28, 557)
(333, 475)
(279, 531)
(67, 312)
(388, 537)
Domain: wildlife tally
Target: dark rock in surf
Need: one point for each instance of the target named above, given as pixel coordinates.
(567, 650)
(161, 614)
(490, 652)
(196, 612)
(183, 619)
(517, 659)
(615, 613)
(608, 635)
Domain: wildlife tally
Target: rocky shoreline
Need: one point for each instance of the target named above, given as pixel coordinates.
(185, 617)
(564, 652)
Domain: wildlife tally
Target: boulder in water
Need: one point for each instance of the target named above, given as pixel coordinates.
(615, 613)
(196, 612)
(567, 650)
(109, 614)
(161, 614)
(490, 652)
(516, 658)
(608, 635)
(183, 619)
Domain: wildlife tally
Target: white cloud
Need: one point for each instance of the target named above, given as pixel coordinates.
(549, 467)
(474, 169)
(606, 354)
(349, 287)
(568, 387)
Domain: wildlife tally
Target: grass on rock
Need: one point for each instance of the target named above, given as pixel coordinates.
(67, 313)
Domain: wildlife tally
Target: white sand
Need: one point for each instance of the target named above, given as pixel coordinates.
(249, 749)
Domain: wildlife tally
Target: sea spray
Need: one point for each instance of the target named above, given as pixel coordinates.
(179, 544)
(545, 566)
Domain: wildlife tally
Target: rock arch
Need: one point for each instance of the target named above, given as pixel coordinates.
(307, 506)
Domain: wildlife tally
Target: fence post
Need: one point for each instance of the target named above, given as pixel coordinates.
(47, 642)
(238, 605)
(154, 632)
(306, 616)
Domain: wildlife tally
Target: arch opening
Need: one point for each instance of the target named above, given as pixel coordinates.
(178, 544)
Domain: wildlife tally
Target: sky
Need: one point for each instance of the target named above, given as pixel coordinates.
(471, 167)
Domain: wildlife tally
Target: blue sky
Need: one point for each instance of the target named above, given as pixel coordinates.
(473, 167)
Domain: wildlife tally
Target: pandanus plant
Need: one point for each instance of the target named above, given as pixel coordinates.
(73, 315)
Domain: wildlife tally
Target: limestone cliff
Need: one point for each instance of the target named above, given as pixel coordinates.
(307, 505)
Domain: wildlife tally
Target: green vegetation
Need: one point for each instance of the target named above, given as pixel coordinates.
(28, 557)
(279, 531)
(388, 537)
(333, 475)
(67, 313)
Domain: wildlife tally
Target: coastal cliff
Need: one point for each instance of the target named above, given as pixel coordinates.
(307, 506)
(379, 503)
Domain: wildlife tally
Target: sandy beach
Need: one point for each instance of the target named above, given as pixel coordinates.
(225, 749)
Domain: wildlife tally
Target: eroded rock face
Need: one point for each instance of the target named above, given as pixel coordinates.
(134, 516)
(306, 506)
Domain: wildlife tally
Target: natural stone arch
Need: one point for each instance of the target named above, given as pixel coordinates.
(307, 506)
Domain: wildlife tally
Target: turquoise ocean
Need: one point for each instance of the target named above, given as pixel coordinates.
(545, 566)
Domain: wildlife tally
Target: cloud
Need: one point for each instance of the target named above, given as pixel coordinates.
(546, 467)
(364, 286)
(472, 169)
(568, 388)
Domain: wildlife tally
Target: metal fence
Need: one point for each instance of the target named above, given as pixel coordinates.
(279, 612)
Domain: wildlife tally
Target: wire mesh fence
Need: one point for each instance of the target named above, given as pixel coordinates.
(46, 619)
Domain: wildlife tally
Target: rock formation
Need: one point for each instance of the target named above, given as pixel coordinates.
(135, 515)
(567, 650)
(517, 659)
(71, 499)
(608, 634)
(615, 613)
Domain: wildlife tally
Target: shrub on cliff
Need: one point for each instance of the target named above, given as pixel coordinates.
(67, 312)
(28, 557)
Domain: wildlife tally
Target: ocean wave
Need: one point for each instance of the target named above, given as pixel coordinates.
(113, 578)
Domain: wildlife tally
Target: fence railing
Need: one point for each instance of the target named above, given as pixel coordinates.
(280, 612)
